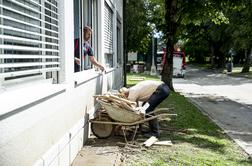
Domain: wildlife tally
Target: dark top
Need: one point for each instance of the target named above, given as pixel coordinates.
(87, 50)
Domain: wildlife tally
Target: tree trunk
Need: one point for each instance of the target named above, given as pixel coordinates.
(170, 19)
(212, 57)
(221, 59)
(217, 57)
(247, 64)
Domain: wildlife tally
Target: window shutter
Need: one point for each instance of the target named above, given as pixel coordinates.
(108, 29)
(29, 38)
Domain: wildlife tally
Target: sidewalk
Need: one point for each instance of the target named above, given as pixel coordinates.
(234, 118)
(95, 156)
(96, 152)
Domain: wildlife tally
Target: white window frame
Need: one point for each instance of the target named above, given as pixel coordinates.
(88, 17)
(47, 53)
(109, 48)
(119, 41)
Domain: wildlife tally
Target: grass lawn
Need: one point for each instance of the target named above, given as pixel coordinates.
(132, 79)
(197, 141)
(236, 71)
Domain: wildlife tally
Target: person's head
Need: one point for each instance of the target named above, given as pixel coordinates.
(87, 33)
(124, 91)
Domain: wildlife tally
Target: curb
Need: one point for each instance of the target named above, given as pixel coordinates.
(204, 112)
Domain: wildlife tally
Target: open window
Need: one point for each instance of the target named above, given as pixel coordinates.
(83, 16)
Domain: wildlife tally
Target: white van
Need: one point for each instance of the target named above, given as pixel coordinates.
(179, 63)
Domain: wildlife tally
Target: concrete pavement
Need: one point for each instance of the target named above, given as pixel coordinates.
(227, 103)
(98, 152)
(95, 156)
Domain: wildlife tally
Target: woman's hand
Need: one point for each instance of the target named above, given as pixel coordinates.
(102, 68)
(77, 61)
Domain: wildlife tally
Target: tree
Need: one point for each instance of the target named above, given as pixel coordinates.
(183, 12)
(208, 24)
(138, 30)
(242, 35)
(171, 27)
(214, 40)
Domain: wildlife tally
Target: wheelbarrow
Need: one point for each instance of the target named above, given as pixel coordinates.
(104, 124)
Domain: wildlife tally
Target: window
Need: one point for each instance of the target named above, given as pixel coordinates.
(77, 34)
(108, 35)
(119, 48)
(83, 16)
(29, 40)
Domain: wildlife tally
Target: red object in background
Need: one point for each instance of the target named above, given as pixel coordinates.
(175, 53)
(164, 57)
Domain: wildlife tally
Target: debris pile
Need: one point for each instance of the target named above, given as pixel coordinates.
(118, 101)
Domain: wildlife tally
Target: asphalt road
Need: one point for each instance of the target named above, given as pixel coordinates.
(226, 100)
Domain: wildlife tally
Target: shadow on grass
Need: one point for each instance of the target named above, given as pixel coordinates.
(198, 140)
(197, 128)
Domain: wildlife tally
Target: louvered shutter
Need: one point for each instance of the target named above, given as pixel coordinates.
(108, 29)
(29, 38)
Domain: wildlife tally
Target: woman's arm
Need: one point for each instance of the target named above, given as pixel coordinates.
(96, 63)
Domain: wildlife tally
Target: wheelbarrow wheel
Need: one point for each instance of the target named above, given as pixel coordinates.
(102, 130)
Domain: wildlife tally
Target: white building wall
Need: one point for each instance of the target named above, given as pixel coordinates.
(119, 6)
(45, 124)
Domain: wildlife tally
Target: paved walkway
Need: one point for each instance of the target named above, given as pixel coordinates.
(98, 156)
(230, 112)
(234, 118)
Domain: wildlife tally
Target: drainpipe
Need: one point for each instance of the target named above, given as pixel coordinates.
(124, 44)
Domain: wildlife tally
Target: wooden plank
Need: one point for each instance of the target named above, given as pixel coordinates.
(163, 143)
(122, 99)
(150, 141)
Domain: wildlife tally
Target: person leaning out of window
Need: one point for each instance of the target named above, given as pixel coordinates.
(88, 50)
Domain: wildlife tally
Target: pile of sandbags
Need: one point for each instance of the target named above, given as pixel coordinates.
(118, 101)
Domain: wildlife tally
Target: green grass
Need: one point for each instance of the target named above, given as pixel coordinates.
(131, 77)
(197, 141)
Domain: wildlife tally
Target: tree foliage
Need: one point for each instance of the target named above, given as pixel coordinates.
(242, 32)
(206, 27)
(137, 30)
(232, 35)
(211, 18)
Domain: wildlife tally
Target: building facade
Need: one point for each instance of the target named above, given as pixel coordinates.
(45, 101)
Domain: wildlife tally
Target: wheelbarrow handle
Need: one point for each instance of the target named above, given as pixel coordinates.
(159, 109)
(133, 123)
